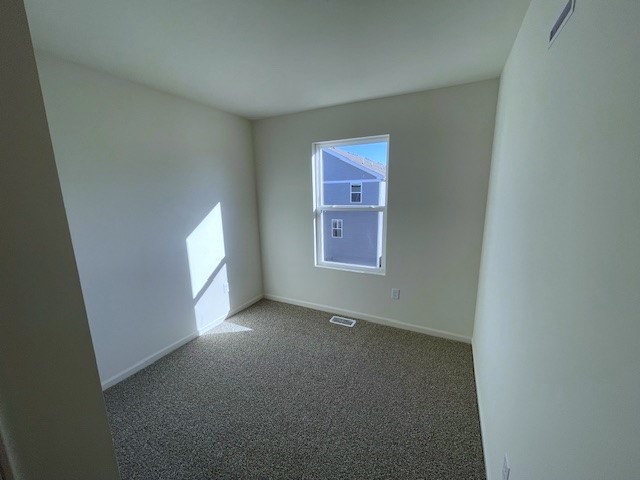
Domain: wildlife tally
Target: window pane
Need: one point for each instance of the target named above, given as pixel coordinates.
(363, 164)
(350, 175)
(360, 242)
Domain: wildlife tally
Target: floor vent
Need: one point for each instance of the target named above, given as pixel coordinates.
(345, 322)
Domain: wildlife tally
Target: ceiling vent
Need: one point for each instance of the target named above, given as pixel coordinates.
(568, 10)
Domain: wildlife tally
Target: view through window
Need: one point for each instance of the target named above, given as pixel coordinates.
(350, 203)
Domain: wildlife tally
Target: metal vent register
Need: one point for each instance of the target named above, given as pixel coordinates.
(345, 322)
(562, 20)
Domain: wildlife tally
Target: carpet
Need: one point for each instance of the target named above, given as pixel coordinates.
(278, 392)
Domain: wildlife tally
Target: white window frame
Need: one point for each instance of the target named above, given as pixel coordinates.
(319, 207)
(351, 192)
(336, 227)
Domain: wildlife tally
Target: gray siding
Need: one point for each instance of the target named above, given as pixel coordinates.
(359, 244)
(337, 169)
(340, 193)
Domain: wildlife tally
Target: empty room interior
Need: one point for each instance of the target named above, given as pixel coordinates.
(320, 239)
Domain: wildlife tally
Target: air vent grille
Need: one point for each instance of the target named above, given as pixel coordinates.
(562, 20)
(345, 322)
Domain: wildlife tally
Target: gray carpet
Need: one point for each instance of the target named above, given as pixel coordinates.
(296, 397)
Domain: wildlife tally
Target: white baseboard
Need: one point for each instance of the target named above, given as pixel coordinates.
(479, 397)
(245, 305)
(327, 308)
(231, 313)
(145, 362)
(372, 318)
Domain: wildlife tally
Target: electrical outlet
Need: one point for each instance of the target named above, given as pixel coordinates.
(225, 287)
(395, 294)
(505, 468)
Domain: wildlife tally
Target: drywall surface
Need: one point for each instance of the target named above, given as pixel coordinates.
(52, 418)
(439, 156)
(557, 333)
(160, 196)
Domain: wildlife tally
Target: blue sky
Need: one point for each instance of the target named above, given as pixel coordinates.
(373, 151)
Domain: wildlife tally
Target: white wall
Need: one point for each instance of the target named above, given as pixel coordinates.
(140, 171)
(557, 334)
(52, 417)
(440, 149)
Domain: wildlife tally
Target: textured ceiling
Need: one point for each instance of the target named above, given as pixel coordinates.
(259, 58)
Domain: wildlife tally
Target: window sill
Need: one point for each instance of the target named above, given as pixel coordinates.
(352, 268)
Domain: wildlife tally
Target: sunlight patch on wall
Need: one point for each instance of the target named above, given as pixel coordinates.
(208, 272)
(213, 305)
(205, 249)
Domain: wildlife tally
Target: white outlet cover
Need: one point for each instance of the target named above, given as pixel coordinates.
(506, 470)
(395, 294)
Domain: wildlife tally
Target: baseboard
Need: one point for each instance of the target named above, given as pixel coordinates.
(372, 318)
(174, 346)
(147, 361)
(479, 397)
(316, 306)
(231, 313)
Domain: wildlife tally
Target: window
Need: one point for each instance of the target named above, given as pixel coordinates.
(356, 192)
(350, 182)
(336, 228)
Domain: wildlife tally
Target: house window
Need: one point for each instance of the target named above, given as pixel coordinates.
(350, 181)
(356, 193)
(336, 228)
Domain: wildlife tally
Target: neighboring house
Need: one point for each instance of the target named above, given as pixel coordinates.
(352, 237)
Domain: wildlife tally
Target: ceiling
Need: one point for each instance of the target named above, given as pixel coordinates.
(259, 58)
